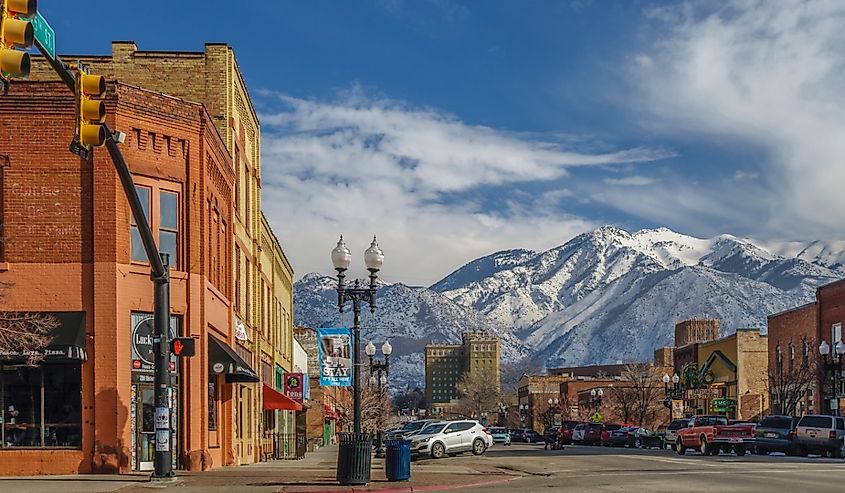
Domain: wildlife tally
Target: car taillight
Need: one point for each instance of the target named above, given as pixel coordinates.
(486, 431)
(791, 435)
(832, 435)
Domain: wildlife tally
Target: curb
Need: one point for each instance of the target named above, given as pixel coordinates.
(411, 489)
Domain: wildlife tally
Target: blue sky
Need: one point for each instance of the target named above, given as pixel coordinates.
(454, 129)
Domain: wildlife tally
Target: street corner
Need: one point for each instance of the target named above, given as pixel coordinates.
(438, 483)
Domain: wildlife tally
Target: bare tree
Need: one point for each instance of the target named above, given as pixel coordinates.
(788, 386)
(621, 400)
(477, 393)
(644, 381)
(25, 333)
(375, 408)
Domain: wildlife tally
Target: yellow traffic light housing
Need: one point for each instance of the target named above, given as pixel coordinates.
(91, 109)
(15, 33)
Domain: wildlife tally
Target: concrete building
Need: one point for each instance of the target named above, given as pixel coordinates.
(445, 364)
(212, 78)
(71, 251)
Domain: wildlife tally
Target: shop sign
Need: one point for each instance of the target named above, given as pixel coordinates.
(677, 408)
(143, 348)
(294, 387)
(708, 393)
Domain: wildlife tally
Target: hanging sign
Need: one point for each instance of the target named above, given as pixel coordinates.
(335, 356)
(294, 387)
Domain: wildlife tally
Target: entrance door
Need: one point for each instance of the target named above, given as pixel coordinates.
(145, 429)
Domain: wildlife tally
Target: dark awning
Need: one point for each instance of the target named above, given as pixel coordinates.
(274, 399)
(67, 345)
(223, 359)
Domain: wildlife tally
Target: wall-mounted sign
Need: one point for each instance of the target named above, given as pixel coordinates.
(143, 350)
(294, 386)
(335, 356)
(240, 330)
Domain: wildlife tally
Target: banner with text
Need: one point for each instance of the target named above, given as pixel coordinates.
(335, 356)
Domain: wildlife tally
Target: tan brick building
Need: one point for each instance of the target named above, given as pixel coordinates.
(69, 247)
(445, 364)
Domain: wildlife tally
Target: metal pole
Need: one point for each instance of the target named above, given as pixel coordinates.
(163, 458)
(356, 370)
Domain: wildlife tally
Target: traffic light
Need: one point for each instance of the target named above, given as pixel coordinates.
(91, 109)
(15, 34)
(183, 346)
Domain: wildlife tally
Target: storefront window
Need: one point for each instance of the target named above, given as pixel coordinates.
(41, 406)
(212, 403)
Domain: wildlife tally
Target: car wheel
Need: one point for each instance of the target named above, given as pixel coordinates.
(740, 450)
(438, 451)
(478, 447)
(802, 451)
(836, 453)
(638, 443)
(705, 448)
(679, 448)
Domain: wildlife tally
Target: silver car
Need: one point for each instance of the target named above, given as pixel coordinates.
(671, 435)
(820, 433)
(440, 439)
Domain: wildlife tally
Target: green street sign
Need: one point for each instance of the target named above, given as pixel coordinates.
(44, 34)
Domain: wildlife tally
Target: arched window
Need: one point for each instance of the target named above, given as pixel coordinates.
(778, 360)
(791, 357)
(805, 355)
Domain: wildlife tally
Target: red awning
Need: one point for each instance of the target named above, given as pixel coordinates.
(277, 400)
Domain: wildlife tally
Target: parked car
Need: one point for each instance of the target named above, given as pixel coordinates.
(440, 439)
(566, 431)
(607, 429)
(820, 433)
(592, 434)
(578, 433)
(634, 437)
(774, 434)
(500, 435)
(526, 435)
(712, 434)
(409, 428)
(671, 435)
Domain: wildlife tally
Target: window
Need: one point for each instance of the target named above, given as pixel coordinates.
(168, 232)
(161, 208)
(805, 355)
(835, 334)
(137, 247)
(238, 181)
(237, 279)
(248, 304)
(41, 406)
(778, 360)
(791, 357)
(212, 402)
(1, 214)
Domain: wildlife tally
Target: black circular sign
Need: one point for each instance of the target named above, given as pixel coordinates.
(142, 341)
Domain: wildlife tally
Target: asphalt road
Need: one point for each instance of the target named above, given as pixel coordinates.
(599, 469)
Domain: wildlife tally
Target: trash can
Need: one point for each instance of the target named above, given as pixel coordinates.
(354, 458)
(397, 463)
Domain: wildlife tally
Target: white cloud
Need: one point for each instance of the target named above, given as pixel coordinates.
(418, 178)
(766, 74)
(631, 181)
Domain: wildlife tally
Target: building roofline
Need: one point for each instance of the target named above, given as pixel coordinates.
(784, 312)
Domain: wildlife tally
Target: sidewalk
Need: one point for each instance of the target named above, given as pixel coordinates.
(315, 473)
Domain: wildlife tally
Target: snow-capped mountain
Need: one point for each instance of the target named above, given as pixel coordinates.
(409, 317)
(604, 296)
(610, 295)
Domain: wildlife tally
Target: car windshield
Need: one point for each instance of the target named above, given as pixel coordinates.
(783, 422)
(712, 420)
(432, 429)
(498, 431)
(612, 427)
(816, 422)
(413, 425)
(580, 427)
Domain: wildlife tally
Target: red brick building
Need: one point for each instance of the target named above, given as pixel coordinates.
(831, 301)
(793, 340)
(70, 249)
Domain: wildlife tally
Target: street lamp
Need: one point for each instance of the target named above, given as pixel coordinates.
(595, 398)
(523, 413)
(353, 447)
(832, 364)
(503, 414)
(378, 378)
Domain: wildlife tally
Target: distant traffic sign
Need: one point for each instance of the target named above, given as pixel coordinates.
(44, 34)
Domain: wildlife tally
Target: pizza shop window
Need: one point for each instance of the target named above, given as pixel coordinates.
(161, 208)
(41, 406)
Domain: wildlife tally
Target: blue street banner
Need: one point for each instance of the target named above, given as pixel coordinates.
(335, 356)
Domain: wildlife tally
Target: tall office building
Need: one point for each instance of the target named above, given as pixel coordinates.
(446, 363)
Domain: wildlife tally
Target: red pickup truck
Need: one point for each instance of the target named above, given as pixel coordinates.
(712, 434)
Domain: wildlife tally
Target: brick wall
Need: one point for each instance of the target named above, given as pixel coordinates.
(794, 328)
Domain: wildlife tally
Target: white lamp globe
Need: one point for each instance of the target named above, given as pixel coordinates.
(676, 378)
(384, 380)
(840, 348)
(373, 256)
(373, 380)
(370, 349)
(601, 392)
(666, 378)
(386, 348)
(824, 348)
(341, 256)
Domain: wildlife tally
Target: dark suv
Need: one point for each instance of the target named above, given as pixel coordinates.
(775, 433)
(592, 435)
(566, 431)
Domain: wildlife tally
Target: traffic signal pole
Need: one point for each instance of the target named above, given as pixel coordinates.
(159, 273)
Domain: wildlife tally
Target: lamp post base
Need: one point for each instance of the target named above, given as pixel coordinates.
(354, 458)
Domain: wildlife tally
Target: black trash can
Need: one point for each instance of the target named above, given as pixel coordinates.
(354, 458)
(397, 464)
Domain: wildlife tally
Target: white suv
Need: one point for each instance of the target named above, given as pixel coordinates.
(439, 439)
